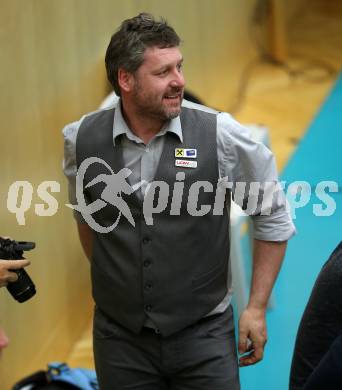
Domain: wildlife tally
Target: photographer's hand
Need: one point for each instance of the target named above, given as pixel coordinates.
(3, 340)
(6, 266)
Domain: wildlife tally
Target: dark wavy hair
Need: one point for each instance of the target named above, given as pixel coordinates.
(128, 44)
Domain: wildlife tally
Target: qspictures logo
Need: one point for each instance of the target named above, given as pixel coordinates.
(115, 185)
(255, 198)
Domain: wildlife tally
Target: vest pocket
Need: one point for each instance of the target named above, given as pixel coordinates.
(103, 327)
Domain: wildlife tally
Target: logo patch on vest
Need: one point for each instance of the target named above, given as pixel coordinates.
(186, 163)
(187, 153)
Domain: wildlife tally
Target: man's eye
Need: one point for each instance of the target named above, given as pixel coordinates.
(179, 67)
(163, 72)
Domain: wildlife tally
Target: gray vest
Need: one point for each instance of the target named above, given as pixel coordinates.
(174, 271)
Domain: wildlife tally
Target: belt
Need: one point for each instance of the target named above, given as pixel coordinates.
(199, 322)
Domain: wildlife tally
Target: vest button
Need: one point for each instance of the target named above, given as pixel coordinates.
(148, 286)
(148, 307)
(146, 240)
(147, 263)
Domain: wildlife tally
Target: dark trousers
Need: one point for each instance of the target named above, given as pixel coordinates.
(199, 357)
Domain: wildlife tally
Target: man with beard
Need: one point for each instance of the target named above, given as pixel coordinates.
(163, 318)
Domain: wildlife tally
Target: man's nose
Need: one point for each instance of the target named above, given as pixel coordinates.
(178, 80)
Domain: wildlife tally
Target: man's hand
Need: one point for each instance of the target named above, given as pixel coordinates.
(6, 266)
(252, 336)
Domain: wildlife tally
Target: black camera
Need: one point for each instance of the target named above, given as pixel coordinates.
(23, 289)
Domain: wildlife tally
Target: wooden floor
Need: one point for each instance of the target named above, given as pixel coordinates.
(286, 105)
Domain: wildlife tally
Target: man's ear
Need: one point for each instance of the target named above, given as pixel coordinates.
(125, 80)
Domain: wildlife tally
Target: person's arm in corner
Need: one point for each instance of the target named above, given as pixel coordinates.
(267, 260)
(7, 275)
(3, 340)
(86, 237)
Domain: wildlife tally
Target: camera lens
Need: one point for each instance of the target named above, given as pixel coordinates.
(23, 289)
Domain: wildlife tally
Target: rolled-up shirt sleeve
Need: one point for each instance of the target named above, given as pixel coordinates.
(250, 167)
(69, 163)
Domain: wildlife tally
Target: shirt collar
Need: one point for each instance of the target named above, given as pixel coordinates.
(120, 126)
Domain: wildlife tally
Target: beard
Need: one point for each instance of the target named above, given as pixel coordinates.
(156, 105)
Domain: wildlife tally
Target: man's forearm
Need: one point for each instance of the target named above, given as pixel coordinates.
(267, 259)
(86, 237)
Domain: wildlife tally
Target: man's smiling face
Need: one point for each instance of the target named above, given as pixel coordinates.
(158, 84)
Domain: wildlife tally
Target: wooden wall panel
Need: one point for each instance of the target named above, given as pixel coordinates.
(51, 72)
